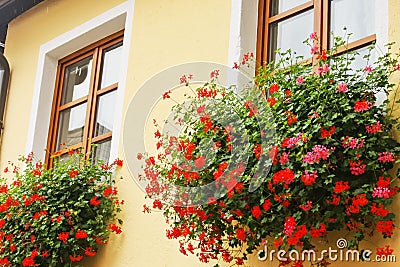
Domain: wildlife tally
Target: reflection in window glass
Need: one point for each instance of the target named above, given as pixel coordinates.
(358, 16)
(71, 124)
(101, 151)
(360, 62)
(105, 113)
(77, 80)
(279, 6)
(111, 65)
(288, 35)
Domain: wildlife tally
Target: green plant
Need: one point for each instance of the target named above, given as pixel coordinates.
(56, 216)
(329, 162)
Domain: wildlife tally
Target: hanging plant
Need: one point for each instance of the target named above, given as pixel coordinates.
(56, 216)
(321, 164)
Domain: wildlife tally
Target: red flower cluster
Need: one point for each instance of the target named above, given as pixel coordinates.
(357, 202)
(357, 167)
(374, 128)
(385, 251)
(290, 226)
(379, 210)
(292, 118)
(63, 237)
(273, 89)
(73, 173)
(75, 258)
(81, 234)
(319, 152)
(341, 186)
(324, 160)
(318, 232)
(94, 201)
(352, 142)
(271, 101)
(361, 106)
(327, 133)
(206, 93)
(385, 227)
(285, 176)
(309, 178)
(251, 107)
(115, 228)
(257, 151)
(256, 211)
(241, 234)
(386, 157)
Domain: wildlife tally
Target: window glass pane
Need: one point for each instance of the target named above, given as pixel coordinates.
(360, 62)
(101, 151)
(105, 113)
(111, 65)
(290, 34)
(279, 6)
(71, 124)
(1, 74)
(358, 16)
(76, 80)
(64, 157)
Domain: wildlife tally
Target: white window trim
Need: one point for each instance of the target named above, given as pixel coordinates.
(117, 18)
(243, 30)
(382, 24)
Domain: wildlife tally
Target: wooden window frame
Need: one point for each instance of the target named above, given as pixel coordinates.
(321, 27)
(96, 51)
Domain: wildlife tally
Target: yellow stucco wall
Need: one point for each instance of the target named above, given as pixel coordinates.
(164, 33)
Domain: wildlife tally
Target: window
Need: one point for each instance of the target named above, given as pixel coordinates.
(287, 23)
(84, 100)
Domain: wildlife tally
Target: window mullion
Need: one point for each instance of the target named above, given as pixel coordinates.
(262, 33)
(325, 22)
(87, 137)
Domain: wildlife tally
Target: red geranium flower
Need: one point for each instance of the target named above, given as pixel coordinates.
(118, 162)
(241, 234)
(81, 234)
(273, 88)
(63, 237)
(89, 252)
(283, 176)
(28, 262)
(267, 204)
(199, 162)
(256, 212)
(361, 106)
(341, 186)
(75, 259)
(94, 201)
(73, 173)
(115, 228)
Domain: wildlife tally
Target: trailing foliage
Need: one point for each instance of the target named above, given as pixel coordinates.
(327, 168)
(56, 216)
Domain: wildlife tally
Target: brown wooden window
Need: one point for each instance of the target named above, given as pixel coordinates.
(287, 23)
(84, 100)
